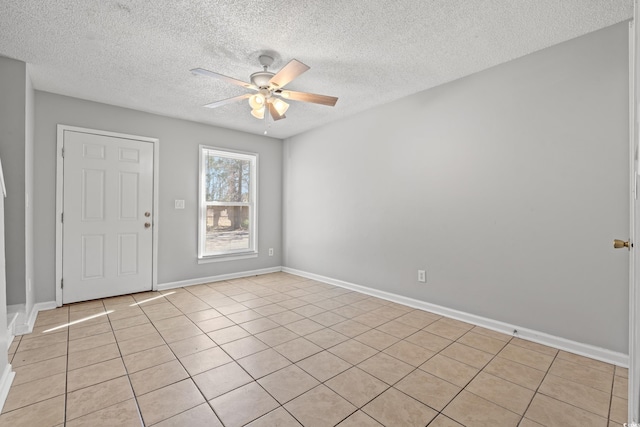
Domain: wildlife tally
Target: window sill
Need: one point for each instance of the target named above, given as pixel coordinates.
(228, 257)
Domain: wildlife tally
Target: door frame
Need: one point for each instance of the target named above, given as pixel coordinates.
(633, 409)
(60, 198)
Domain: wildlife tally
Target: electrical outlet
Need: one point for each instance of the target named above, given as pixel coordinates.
(422, 276)
(179, 204)
(270, 251)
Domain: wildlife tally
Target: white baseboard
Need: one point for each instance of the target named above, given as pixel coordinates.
(11, 327)
(17, 313)
(5, 383)
(219, 278)
(24, 323)
(598, 353)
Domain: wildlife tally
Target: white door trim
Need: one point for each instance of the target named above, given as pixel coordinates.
(59, 198)
(633, 415)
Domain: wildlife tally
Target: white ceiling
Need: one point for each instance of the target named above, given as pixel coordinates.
(138, 54)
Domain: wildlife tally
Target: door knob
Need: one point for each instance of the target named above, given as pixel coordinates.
(620, 244)
(147, 214)
(147, 224)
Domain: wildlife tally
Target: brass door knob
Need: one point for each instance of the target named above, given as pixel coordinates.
(620, 244)
(147, 224)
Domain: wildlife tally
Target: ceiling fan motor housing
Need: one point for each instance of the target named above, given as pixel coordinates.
(261, 78)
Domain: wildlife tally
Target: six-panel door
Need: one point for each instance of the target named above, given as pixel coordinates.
(108, 218)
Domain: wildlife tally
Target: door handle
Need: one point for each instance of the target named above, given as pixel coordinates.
(147, 224)
(617, 244)
(147, 214)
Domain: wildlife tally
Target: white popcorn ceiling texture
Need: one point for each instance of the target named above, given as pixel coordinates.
(138, 54)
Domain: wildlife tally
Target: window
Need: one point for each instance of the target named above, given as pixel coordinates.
(227, 204)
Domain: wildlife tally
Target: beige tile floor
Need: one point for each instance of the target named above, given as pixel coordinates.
(281, 350)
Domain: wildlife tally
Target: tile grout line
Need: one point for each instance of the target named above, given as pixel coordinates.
(441, 412)
(47, 376)
(540, 385)
(189, 376)
(583, 385)
(135, 398)
(611, 396)
(233, 360)
(418, 367)
(68, 338)
(120, 357)
(358, 408)
(100, 382)
(388, 386)
(325, 349)
(181, 364)
(251, 288)
(547, 373)
(66, 369)
(281, 405)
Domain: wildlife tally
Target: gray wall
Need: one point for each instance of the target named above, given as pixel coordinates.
(29, 189)
(179, 140)
(4, 333)
(507, 186)
(12, 103)
(13, 99)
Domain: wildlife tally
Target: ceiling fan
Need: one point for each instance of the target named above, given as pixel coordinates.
(270, 89)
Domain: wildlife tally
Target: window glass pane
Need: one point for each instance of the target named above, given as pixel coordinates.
(227, 193)
(227, 228)
(227, 179)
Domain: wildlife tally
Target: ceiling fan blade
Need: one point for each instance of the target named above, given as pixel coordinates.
(274, 113)
(203, 72)
(289, 72)
(308, 97)
(227, 101)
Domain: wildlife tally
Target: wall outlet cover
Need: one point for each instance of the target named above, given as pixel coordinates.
(422, 276)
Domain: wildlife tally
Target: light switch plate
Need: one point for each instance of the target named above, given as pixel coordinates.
(179, 204)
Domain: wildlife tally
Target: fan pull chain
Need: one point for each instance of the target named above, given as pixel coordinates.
(266, 116)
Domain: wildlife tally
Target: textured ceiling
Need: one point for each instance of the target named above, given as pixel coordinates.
(138, 54)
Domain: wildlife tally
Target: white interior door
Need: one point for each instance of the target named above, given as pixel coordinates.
(107, 238)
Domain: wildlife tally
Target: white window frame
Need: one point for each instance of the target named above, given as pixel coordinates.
(252, 251)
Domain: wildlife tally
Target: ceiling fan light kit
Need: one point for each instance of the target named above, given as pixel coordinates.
(269, 87)
(258, 113)
(280, 105)
(256, 101)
